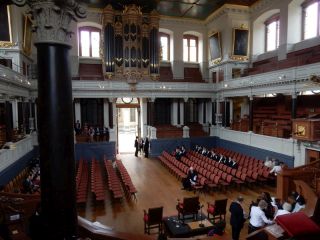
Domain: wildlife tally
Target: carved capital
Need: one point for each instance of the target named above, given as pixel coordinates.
(52, 19)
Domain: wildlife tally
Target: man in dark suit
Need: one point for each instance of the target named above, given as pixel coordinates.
(136, 145)
(237, 217)
(146, 148)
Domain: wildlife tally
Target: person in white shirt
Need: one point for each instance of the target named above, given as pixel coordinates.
(276, 169)
(286, 208)
(268, 163)
(257, 217)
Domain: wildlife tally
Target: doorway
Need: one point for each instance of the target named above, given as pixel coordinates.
(127, 128)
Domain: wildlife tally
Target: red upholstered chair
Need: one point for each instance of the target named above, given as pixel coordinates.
(190, 206)
(153, 219)
(218, 209)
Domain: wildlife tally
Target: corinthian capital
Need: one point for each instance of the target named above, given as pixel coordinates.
(52, 19)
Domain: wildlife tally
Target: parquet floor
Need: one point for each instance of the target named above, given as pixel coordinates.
(157, 187)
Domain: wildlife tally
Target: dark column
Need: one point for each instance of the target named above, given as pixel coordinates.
(294, 106)
(52, 22)
(204, 112)
(179, 119)
(56, 141)
(151, 113)
(251, 113)
(8, 120)
(185, 114)
(227, 113)
(214, 111)
(110, 115)
(223, 113)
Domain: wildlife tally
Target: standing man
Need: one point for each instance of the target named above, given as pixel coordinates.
(136, 145)
(237, 217)
(146, 148)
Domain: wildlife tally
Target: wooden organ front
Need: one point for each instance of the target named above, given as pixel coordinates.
(130, 45)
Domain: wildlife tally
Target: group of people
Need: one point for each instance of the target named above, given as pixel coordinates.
(96, 133)
(31, 183)
(179, 152)
(262, 212)
(217, 157)
(141, 146)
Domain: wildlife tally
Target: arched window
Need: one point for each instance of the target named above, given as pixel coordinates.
(190, 48)
(165, 46)
(272, 26)
(310, 19)
(89, 42)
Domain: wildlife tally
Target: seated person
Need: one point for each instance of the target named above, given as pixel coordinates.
(268, 163)
(183, 150)
(300, 203)
(276, 169)
(191, 179)
(234, 164)
(257, 217)
(286, 209)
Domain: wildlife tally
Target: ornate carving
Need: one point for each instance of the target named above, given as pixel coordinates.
(52, 19)
(19, 3)
(7, 44)
(108, 15)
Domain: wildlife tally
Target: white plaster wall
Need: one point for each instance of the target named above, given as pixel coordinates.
(288, 147)
(179, 27)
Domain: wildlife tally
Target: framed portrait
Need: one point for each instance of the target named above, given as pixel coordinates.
(5, 26)
(240, 42)
(215, 47)
(27, 35)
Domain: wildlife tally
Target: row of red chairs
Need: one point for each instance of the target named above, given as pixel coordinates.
(114, 183)
(97, 186)
(242, 160)
(214, 177)
(180, 169)
(82, 180)
(176, 167)
(126, 179)
(242, 174)
(249, 164)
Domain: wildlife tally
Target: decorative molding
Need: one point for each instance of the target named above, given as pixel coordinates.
(260, 5)
(226, 9)
(52, 19)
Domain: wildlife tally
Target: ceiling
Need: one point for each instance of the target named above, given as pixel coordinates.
(197, 9)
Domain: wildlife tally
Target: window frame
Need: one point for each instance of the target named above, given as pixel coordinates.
(191, 37)
(275, 18)
(90, 29)
(304, 5)
(162, 34)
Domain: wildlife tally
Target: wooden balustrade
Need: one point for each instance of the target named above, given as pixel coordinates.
(302, 179)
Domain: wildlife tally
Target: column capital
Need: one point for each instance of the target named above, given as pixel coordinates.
(52, 19)
(152, 99)
(250, 97)
(185, 99)
(294, 95)
(112, 100)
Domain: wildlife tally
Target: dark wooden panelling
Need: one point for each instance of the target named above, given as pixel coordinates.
(166, 74)
(192, 75)
(90, 71)
(294, 59)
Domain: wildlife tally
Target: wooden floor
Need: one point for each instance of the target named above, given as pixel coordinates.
(157, 187)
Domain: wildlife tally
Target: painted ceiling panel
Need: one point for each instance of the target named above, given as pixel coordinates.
(198, 9)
